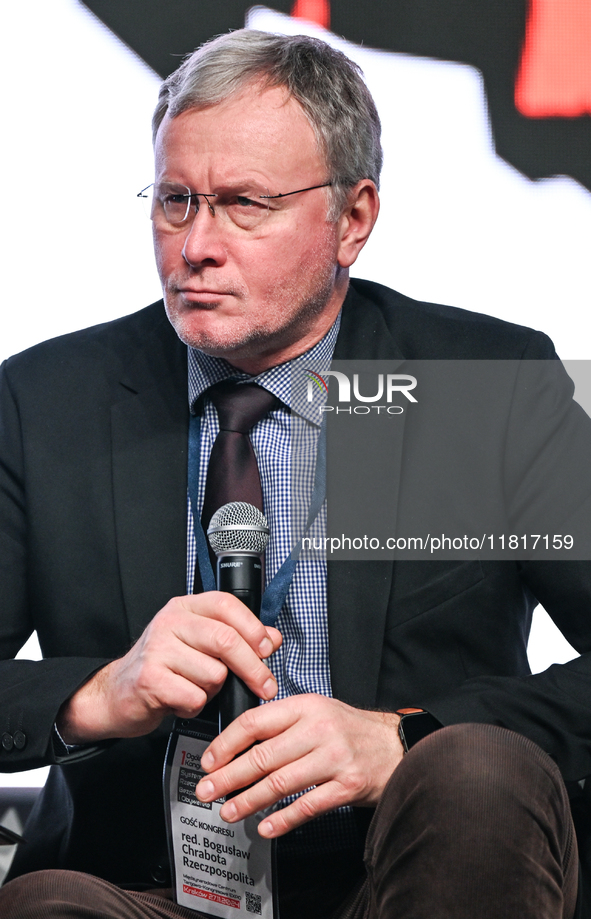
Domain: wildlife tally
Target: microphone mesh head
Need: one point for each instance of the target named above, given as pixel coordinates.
(238, 527)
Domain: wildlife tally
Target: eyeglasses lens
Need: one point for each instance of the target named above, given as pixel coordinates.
(174, 205)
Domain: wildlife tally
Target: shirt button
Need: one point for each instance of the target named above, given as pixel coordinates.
(20, 740)
(7, 741)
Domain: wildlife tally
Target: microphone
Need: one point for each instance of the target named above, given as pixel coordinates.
(238, 534)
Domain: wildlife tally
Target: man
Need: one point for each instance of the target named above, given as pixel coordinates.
(267, 164)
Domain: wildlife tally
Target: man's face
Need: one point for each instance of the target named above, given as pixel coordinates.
(254, 296)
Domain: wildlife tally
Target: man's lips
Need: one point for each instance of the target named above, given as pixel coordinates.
(205, 295)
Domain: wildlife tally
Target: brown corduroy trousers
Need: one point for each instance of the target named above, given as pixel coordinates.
(474, 824)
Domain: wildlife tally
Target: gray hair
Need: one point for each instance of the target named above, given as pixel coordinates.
(328, 86)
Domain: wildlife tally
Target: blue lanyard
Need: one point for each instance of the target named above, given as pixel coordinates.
(276, 591)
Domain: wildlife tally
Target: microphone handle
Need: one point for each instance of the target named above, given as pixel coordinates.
(240, 574)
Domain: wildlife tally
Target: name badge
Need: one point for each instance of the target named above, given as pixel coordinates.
(220, 869)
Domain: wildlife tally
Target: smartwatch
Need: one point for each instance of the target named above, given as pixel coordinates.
(415, 723)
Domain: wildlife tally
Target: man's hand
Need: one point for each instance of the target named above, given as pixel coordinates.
(308, 740)
(178, 664)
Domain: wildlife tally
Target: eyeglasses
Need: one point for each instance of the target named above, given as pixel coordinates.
(170, 205)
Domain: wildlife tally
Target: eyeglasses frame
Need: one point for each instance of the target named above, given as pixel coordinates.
(208, 195)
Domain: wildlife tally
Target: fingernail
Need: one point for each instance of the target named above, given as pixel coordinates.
(207, 760)
(266, 647)
(266, 828)
(205, 789)
(229, 812)
(270, 688)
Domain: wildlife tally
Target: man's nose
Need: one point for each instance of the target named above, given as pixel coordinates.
(204, 243)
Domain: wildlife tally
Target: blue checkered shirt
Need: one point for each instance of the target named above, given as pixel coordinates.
(285, 444)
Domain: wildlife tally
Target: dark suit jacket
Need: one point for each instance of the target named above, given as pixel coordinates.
(93, 452)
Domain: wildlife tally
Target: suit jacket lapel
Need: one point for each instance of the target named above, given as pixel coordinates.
(358, 591)
(149, 450)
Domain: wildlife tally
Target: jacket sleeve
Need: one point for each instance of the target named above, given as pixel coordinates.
(31, 692)
(548, 487)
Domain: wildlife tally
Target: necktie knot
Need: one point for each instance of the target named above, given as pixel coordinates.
(241, 405)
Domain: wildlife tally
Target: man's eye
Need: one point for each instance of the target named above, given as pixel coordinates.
(243, 201)
(175, 199)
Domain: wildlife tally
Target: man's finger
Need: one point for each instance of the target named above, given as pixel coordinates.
(252, 726)
(315, 802)
(221, 642)
(221, 627)
(279, 767)
(288, 780)
(225, 608)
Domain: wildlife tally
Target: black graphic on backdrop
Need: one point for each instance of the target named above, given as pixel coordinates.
(487, 34)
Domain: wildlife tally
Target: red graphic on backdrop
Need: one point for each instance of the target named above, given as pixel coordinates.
(313, 10)
(554, 76)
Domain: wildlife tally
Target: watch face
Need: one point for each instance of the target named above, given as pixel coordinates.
(415, 726)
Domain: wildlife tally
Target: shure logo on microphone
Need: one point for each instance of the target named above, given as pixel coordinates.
(384, 388)
(231, 565)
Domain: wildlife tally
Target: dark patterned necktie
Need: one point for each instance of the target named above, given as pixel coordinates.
(233, 473)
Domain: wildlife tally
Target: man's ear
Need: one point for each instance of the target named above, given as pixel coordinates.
(357, 221)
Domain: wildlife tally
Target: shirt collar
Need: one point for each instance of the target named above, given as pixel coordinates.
(284, 380)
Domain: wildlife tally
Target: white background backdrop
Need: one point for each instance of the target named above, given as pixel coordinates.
(458, 225)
